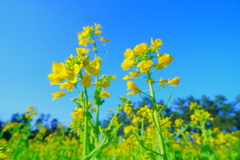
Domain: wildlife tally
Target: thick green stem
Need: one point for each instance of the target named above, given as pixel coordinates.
(160, 137)
(86, 139)
(156, 120)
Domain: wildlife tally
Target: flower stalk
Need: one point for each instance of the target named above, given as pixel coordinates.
(156, 120)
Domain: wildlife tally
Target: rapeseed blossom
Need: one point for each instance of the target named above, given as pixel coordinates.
(57, 95)
(78, 113)
(127, 64)
(145, 65)
(141, 48)
(86, 80)
(162, 81)
(132, 85)
(104, 94)
(174, 81)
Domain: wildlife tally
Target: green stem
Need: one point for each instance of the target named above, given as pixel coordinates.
(115, 148)
(97, 88)
(86, 140)
(156, 120)
(142, 130)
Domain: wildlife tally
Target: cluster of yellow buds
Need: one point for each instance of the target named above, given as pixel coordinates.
(199, 115)
(194, 105)
(31, 111)
(178, 122)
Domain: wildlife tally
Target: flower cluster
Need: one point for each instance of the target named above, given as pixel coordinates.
(142, 60)
(79, 68)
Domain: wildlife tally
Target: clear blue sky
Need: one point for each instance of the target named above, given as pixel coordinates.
(203, 36)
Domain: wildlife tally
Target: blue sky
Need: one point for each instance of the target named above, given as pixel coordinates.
(202, 36)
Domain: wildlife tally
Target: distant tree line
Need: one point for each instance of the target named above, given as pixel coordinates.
(226, 114)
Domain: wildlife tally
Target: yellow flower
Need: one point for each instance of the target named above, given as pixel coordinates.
(86, 80)
(65, 73)
(97, 26)
(57, 67)
(178, 122)
(98, 32)
(174, 81)
(55, 79)
(127, 130)
(84, 42)
(135, 74)
(101, 38)
(57, 95)
(67, 85)
(127, 63)
(106, 40)
(85, 33)
(78, 113)
(164, 58)
(129, 53)
(58, 74)
(76, 68)
(92, 70)
(113, 77)
(104, 94)
(132, 85)
(157, 43)
(194, 105)
(159, 65)
(82, 51)
(73, 78)
(162, 81)
(96, 63)
(145, 66)
(93, 67)
(141, 48)
(127, 77)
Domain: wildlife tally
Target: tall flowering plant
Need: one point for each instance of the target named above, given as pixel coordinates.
(79, 73)
(144, 60)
